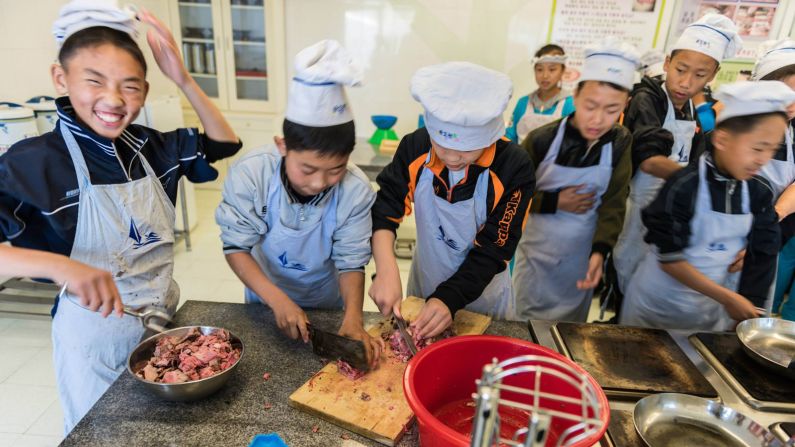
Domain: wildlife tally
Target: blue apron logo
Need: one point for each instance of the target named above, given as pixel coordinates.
(717, 246)
(141, 241)
(291, 265)
(4, 128)
(449, 242)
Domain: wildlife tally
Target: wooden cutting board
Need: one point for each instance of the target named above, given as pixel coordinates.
(344, 402)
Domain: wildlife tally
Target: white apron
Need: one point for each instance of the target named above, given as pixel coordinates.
(299, 261)
(128, 230)
(781, 173)
(655, 299)
(554, 250)
(445, 235)
(630, 247)
(532, 120)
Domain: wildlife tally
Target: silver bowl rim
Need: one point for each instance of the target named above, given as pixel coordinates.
(776, 324)
(191, 382)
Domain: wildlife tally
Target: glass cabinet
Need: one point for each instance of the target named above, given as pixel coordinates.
(228, 47)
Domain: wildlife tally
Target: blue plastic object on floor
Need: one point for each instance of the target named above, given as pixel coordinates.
(269, 440)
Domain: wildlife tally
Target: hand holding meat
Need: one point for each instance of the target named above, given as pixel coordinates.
(569, 199)
(290, 318)
(373, 346)
(95, 288)
(433, 319)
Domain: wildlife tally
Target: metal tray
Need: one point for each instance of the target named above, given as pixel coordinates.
(771, 342)
(671, 419)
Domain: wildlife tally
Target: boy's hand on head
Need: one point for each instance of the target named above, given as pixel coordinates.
(433, 319)
(95, 288)
(572, 201)
(373, 346)
(290, 318)
(387, 291)
(164, 48)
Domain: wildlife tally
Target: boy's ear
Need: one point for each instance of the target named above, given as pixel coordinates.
(58, 75)
(717, 69)
(667, 63)
(719, 139)
(146, 89)
(281, 145)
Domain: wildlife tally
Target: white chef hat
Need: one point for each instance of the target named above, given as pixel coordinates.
(463, 103)
(776, 54)
(745, 98)
(652, 62)
(713, 34)
(317, 96)
(81, 14)
(611, 61)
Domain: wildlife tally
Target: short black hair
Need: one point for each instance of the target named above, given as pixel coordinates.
(96, 36)
(549, 49)
(780, 74)
(609, 84)
(746, 123)
(329, 141)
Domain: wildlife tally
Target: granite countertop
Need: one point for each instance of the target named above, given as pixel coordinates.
(127, 415)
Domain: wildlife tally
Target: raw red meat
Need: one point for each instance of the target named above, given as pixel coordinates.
(266, 376)
(191, 357)
(401, 350)
(349, 371)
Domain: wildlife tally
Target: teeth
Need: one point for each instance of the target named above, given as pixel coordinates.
(109, 117)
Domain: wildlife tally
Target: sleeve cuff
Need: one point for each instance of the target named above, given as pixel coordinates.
(601, 248)
(229, 249)
(549, 202)
(450, 298)
(671, 257)
(355, 269)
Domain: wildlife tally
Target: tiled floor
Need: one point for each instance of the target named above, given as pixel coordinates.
(30, 414)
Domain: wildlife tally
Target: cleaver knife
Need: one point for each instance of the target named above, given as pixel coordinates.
(333, 346)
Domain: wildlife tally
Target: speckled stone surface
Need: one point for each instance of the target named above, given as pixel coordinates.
(127, 415)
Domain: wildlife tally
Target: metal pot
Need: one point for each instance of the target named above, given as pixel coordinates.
(186, 391)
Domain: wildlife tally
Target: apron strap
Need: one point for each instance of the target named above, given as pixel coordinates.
(81, 169)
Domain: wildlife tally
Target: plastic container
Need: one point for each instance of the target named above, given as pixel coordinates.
(45, 111)
(445, 373)
(269, 440)
(16, 123)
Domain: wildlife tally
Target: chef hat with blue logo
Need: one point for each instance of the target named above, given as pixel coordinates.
(745, 98)
(317, 94)
(775, 55)
(652, 62)
(713, 34)
(463, 104)
(611, 61)
(78, 15)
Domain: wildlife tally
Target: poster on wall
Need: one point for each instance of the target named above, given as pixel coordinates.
(754, 20)
(575, 24)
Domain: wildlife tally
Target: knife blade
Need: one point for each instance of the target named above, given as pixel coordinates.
(401, 324)
(333, 346)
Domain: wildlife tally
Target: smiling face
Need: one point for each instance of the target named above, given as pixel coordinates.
(686, 73)
(742, 154)
(106, 86)
(598, 107)
(309, 171)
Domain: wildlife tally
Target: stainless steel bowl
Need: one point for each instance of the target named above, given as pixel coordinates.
(186, 391)
(671, 419)
(771, 342)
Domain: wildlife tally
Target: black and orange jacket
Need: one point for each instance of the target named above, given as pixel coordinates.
(511, 184)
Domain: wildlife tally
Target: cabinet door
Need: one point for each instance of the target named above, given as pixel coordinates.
(200, 35)
(252, 77)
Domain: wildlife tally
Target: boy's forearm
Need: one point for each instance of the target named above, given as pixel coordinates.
(383, 243)
(688, 275)
(215, 125)
(247, 269)
(659, 166)
(32, 263)
(352, 291)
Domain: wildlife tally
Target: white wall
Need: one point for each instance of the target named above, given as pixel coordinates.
(395, 38)
(27, 48)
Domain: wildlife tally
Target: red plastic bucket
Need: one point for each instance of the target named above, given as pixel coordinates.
(445, 372)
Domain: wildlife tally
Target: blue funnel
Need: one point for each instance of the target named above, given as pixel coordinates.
(384, 122)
